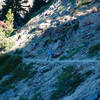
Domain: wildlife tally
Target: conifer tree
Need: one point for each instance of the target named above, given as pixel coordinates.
(17, 8)
(15, 5)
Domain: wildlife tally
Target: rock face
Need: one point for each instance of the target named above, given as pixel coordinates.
(73, 42)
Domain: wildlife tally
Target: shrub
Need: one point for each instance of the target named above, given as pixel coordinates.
(76, 26)
(24, 98)
(72, 1)
(8, 63)
(6, 44)
(94, 49)
(71, 53)
(12, 64)
(36, 96)
(83, 2)
(68, 81)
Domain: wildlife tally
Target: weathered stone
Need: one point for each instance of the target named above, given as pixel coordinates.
(45, 69)
(79, 2)
(56, 55)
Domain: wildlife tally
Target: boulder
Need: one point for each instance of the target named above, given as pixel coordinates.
(56, 45)
(56, 55)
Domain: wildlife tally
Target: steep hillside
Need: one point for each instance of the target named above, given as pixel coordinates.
(56, 55)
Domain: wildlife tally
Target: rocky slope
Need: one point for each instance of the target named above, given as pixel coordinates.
(62, 46)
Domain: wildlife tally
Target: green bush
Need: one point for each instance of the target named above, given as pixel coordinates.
(8, 63)
(68, 81)
(94, 49)
(83, 2)
(12, 64)
(6, 44)
(71, 53)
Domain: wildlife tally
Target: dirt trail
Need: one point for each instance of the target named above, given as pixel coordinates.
(29, 60)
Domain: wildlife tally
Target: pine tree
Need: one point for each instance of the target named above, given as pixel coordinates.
(7, 26)
(17, 8)
(9, 22)
(15, 5)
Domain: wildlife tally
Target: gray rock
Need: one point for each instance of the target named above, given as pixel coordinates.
(45, 69)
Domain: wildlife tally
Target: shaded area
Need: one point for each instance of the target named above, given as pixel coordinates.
(68, 81)
(23, 12)
(13, 66)
(38, 7)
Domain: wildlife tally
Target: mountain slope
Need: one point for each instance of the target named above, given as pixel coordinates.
(62, 50)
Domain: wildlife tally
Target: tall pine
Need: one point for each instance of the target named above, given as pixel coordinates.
(17, 6)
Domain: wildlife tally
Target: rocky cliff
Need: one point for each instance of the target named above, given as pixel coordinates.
(60, 55)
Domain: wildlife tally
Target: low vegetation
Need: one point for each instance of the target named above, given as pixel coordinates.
(23, 98)
(36, 97)
(83, 2)
(8, 63)
(72, 1)
(94, 49)
(70, 53)
(68, 81)
(13, 65)
(6, 44)
(76, 26)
